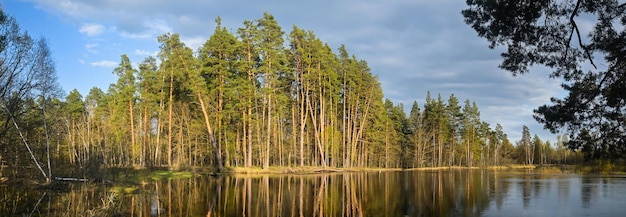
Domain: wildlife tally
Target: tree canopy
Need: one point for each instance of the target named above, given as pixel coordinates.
(590, 62)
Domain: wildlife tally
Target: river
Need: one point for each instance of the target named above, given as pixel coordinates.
(400, 193)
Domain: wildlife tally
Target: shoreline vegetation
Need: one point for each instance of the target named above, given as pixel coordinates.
(597, 167)
(322, 170)
(127, 180)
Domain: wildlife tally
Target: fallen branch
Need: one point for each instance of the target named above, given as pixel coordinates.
(26, 143)
(65, 179)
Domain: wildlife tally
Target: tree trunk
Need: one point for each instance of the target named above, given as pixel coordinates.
(27, 146)
(169, 122)
(132, 130)
(218, 156)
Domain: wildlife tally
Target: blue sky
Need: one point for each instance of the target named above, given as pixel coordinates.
(414, 46)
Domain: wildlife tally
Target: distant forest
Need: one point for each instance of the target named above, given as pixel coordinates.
(257, 97)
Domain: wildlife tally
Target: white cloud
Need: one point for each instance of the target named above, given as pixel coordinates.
(149, 30)
(145, 52)
(159, 26)
(91, 29)
(104, 63)
(92, 47)
(194, 42)
(136, 35)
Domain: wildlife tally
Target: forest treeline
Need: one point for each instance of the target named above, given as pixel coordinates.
(257, 97)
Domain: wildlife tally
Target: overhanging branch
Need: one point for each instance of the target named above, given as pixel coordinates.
(575, 29)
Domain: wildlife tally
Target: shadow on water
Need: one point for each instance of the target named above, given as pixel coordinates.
(409, 193)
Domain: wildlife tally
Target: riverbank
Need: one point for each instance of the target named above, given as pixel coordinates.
(316, 170)
(142, 175)
(503, 167)
(602, 168)
(301, 170)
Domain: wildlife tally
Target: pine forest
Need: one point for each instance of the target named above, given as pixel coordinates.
(254, 97)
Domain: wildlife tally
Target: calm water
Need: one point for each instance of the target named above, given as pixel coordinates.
(423, 193)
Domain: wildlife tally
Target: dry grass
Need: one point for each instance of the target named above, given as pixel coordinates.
(506, 167)
(441, 168)
(521, 166)
(550, 170)
(301, 170)
(603, 167)
(316, 170)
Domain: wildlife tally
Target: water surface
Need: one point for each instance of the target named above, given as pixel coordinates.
(401, 193)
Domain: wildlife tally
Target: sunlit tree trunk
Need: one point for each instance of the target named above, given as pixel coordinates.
(170, 119)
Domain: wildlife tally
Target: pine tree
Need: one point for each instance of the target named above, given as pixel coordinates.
(272, 68)
(150, 86)
(178, 57)
(219, 60)
(526, 145)
(471, 123)
(417, 135)
(250, 61)
(455, 119)
(75, 108)
(125, 90)
(500, 137)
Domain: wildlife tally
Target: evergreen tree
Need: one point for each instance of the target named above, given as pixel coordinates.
(272, 69)
(396, 142)
(75, 108)
(219, 59)
(250, 61)
(150, 85)
(125, 90)
(537, 150)
(499, 137)
(525, 144)
(455, 119)
(471, 122)
(178, 57)
(417, 132)
(96, 107)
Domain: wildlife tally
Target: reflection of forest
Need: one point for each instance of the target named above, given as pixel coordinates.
(419, 193)
(437, 193)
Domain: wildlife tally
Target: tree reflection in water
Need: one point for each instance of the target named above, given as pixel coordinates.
(408, 193)
(437, 193)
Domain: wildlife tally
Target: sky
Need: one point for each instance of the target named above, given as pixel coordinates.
(413, 46)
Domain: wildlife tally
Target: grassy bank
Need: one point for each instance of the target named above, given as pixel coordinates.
(299, 170)
(504, 167)
(315, 170)
(606, 168)
(145, 175)
(602, 167)
(134, 176)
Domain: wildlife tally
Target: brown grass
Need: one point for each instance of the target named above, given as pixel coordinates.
(521, 166)
(603, 167)
(318, 170)
(301, 170)
(550, 170)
